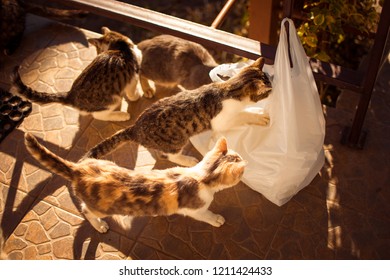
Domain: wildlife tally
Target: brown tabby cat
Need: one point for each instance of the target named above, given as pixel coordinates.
(99, 89)
(171, 61)
(13, 20)
(106, 189)
(167, 124)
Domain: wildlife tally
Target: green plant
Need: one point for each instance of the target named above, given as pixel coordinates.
(338, 31)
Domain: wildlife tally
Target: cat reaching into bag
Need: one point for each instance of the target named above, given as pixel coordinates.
(167, 125)
(100, 87)
(170, 61)
(106, 189)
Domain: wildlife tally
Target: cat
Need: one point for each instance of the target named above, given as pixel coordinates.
(100, 87)
(167, 125)
(13, 20)
(172, 61)
(106, 189)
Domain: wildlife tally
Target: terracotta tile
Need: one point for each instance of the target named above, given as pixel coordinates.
(143, 252)
(175, 247)
(238, 252)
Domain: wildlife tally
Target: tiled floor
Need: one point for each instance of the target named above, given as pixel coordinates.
(343, 214)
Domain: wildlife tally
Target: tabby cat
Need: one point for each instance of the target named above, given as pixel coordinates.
(167, 124)
(106, 189)
(99, 89)
(13, 20)
(171, 61)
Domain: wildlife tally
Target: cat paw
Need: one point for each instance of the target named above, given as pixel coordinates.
(218, 220)
(115, 116)
(183, 160)
(134, 96)
(102, 227)
(123, 118)
(149, 93)
(264, 119)
(118, 116)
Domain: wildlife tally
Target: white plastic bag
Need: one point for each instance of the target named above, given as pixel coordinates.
(284, 157)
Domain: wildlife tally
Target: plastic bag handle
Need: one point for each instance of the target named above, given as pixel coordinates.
(287, 27)
(291, 45)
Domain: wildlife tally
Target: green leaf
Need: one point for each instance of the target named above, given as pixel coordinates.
(340, 38)
(323, 56)
(330, 20)
(311, 40)
(319, 19)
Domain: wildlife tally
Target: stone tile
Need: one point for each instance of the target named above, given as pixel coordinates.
(36, 233)
(291, 244)
(144, 252)
(36, 236)
(302, 233)
(13, 205)
(67, 237)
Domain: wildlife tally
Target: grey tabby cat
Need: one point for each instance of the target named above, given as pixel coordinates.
(188, 64)
(13, 20)
(167, 125)
(99, 89)
(106, 189)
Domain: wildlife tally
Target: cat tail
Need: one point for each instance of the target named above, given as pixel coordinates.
(110, 144)
(39, 97)
(53, 13)
(48, 159)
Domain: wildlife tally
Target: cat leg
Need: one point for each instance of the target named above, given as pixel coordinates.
(148, 86)
(110, 114)
(114, 116)
(133, 90)
(183, 160)
(206, 216)
(99, 224)
(245, 117)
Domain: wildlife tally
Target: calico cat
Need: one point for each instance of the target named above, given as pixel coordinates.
(99, 89)
(171, 61)
(13, 20)
(167, 124)
(106, 189)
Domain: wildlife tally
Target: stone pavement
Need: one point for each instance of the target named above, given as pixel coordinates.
(343, 214)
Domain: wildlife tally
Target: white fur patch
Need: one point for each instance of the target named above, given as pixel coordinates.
(138, 53)
(230, 109)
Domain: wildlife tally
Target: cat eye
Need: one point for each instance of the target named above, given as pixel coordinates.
(233, 158)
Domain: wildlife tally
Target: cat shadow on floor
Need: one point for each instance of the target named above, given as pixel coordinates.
(47, 31)
(89, 244)
(14, 146)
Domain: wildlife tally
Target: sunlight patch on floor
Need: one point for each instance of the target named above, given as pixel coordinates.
(145, 160)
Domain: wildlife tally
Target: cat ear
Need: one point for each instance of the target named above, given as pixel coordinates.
(105, 30)
(221, 145)
(93, 41)
(259, 63)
